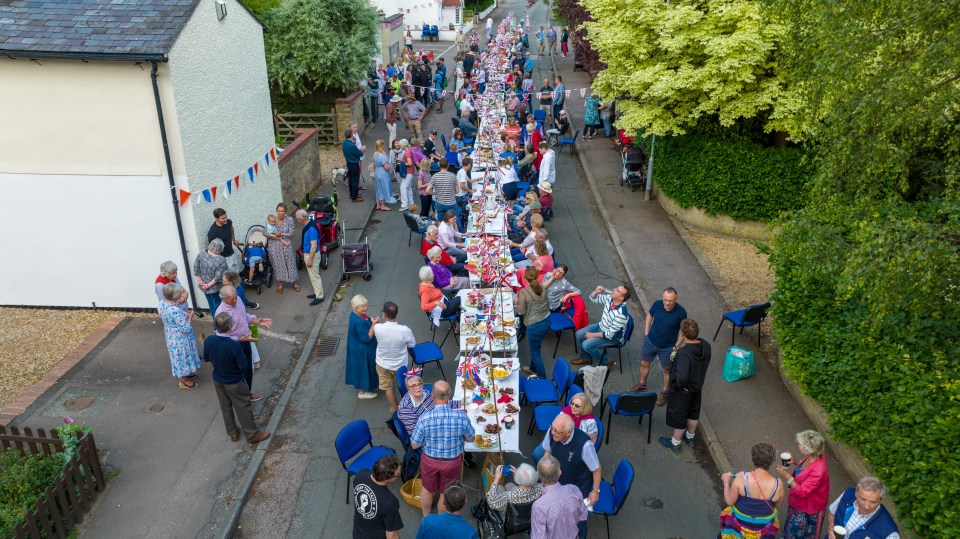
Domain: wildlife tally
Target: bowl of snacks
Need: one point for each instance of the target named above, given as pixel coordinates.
(499, 373)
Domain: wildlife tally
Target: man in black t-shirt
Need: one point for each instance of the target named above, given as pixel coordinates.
(223, 228)
(376, 510)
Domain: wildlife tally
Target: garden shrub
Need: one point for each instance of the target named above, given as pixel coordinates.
(22, 481)
(731, 176)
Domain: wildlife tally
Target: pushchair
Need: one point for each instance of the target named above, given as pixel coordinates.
(356, 259)
(323, 214)
(633, 173)
(255, 256)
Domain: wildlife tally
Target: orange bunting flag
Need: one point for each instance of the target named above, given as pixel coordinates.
(256, 168)
(236, 181)
(213, 191)
(184, 197)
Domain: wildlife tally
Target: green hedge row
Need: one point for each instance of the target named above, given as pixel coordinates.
(22, 481)
(734, 177)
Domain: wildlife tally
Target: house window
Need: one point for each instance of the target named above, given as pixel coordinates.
(458, 18)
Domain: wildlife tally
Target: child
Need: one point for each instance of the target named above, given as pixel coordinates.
(255, 253)
(271, 224)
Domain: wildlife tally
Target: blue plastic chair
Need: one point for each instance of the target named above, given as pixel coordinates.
(452, 320)
(614, 496)
(544, 414)
(541, 390)
(568, 142)
(428, 352)
(412, 225)
(751, 316)
(443, 139)
(402, 382)
(350, 441)
(540, 116)
(435, 32)
(632, 405)
(560, 322)
(627, 333)
(425, 32)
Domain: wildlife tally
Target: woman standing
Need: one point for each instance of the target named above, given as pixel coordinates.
(399, 170)
(512, 130)
(208, 268)
(408, 41)
(181, 344)
(168, 274)
(381, 176)
(280, 250)
(591, 117)
(564, 37)
(532, 304)
(752, 498)
(361, 370)
(809, 487)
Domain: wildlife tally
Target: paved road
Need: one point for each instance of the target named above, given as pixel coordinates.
(301, 488)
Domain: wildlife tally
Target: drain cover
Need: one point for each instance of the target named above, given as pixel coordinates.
(76, 404)
(327, 346)
(156, 408)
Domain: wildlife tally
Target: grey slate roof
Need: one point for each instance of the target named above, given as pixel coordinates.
(92, 28)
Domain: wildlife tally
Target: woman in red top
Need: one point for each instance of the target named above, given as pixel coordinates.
(809, 487)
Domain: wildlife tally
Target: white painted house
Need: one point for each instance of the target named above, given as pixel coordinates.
(416, 13)
(88, 204)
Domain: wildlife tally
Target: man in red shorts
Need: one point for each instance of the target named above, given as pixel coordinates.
(441, 433)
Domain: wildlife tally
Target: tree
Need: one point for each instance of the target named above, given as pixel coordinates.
(574, 15)
(670, 64)
(320, 44)
(259, 6)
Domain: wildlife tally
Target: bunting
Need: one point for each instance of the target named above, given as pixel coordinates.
(227, 187)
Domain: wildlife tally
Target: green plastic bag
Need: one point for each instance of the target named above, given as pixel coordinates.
(738, 364)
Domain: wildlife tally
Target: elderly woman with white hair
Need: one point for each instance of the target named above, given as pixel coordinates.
(181, 343)
(442, 276)
(528, 487)
(208, 268)
(809, 486)
(432, 297)
(168, 274)
(361, 370)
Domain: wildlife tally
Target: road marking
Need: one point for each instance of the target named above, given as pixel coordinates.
(281, 336)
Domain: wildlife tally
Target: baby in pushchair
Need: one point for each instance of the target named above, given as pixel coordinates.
(255, 254)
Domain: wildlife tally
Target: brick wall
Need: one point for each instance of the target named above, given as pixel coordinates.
(300, 165)
(349, 109)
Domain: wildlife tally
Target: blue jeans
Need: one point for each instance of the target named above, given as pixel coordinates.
(441, 209)
(537, 454)
(535, 335)
(592, 349)
(607, 127)
(214, 301)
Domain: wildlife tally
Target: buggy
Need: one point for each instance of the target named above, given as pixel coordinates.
(633, 173)
(323, 214)
(255, 253)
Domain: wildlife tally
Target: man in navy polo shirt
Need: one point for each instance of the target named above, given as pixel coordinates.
(661, 339)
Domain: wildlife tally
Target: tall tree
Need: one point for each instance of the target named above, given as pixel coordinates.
(670, 64)
(319, 44)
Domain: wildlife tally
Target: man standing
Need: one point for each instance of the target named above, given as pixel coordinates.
(613, 322)
(559, 96)
(240, 329)
(468, 62)
(548, 164)
(546, 101)
(352, 154)
(861, 512)
(377, 510)
(661, 339)
(412, 112)
(449, 525)
(311, 255)
(430, 146)
(222, 228)
(687, 375)
(391, 115)
(230, 371)
(441, 433)
(460, 41)
(552, 39)
(559, 511)
(393, 343)
(528, 64)
(540, 38)
(443, 187)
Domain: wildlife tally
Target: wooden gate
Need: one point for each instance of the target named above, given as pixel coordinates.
(287, 124)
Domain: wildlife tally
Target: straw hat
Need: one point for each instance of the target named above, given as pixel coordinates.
(396, 99)
(545, 187)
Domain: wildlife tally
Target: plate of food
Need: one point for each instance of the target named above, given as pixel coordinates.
(509, 364)
(510, 408)
(474, 340)
(499, 373)
(485, 441)
(492, 429)
(473, 249)
(489, 409)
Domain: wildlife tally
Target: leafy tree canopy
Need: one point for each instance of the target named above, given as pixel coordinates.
(671, 64)
(319, 44)
(259, 6)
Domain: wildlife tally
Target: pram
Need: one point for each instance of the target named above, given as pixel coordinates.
(323, 214)
(633, 173)
(255, 252)
(356, 259)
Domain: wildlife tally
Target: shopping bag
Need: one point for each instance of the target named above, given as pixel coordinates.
(738, 364)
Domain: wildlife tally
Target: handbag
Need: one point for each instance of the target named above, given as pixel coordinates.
(738, 364)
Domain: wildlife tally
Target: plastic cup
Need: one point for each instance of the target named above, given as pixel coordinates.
(785, 459)
(839, 532)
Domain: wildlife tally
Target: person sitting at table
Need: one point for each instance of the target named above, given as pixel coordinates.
(580, 410)
(540, 235)
(519, 250)
(415, 403)
(521, 221)
(413, 211)
(528, 487)
(431, 296)
(468, 129)
(541, 259)
(559, 289)
(546, 196)
(512, 130)
(448, 234)
(458, 137)
(430, 239)
(525, 164)
(454, 157)
(444, 279)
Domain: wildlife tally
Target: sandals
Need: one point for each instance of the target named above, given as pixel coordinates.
(280, 289)
(191, 385)
(296, 287)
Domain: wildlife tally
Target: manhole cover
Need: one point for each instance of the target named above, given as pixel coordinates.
(327, 346)
(653, 503)
(156, 408)
(76, 404)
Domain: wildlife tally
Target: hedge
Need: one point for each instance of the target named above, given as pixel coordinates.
(22, 481)
(867, 307)
(734, 177)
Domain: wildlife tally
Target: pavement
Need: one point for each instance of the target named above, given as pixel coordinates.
(178, 475)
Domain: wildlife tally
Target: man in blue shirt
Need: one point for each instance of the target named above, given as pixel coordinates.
(353, 155)
(449, 525)
(529, 64)
(311, 255)
(661, 339)
(559, 97)
(230, 369)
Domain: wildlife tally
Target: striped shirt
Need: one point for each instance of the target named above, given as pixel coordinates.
(614, 320)
(556, 513)
(442, 432)
(409, 412)
(444, 188)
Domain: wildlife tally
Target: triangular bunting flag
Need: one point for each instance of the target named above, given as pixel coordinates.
(273, 153)
(184, 197)
(250, 173)
(197, 197)
(236, 182)
(229, 187)
(213, 192)
(567, 93)
(256, 168)
(225, 193)
(266, 159)
(206, 195)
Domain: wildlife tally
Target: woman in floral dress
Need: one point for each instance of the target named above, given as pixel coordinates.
(280, 250)
(181, 344)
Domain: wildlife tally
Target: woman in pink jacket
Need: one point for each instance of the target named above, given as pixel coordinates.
(809, 487)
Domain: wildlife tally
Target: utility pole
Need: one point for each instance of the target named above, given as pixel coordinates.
(653, 139)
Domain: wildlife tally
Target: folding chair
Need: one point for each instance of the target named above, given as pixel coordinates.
(350, 442)
(627, 333)
(750, 316)
(614, 496)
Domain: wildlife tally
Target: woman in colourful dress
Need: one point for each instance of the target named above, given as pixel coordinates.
(752, 498)
(361, 370)
(591, 117)
(181, 344)
(280, 250)
(809, 487)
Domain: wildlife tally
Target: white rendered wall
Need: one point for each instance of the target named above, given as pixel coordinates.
(223, 117)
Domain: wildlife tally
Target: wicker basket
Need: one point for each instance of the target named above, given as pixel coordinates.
(411, 491)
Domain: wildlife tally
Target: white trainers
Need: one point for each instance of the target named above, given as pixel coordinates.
(368, 395)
